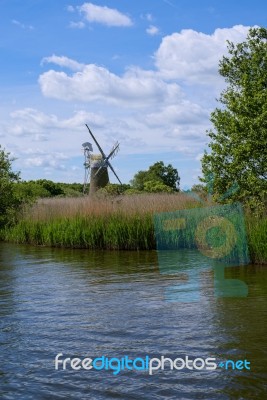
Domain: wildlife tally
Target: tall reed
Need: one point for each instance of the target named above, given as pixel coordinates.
(95, 223)
(257, 238)
(121, 223)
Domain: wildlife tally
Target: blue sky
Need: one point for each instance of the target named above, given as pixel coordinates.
(141, 72)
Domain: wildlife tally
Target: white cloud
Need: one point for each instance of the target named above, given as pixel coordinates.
(182, 113)
(172, 127)
(51, 160)
(36, 118)
(104, 15)
(21, 25)
(63, 61)
(57, 140)
(46, 144)
(194, 56)
(70, 8)
(153, 107)
(77, 25)
(148, 17)
(30, 121)
(185, 57)
(152, 30)
(80, 118)
(136, 87)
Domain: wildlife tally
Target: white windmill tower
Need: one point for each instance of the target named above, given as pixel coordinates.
(96, 165)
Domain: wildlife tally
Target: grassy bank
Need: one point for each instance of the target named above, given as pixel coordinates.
(124, 223)
(116, 232)
(257, 238)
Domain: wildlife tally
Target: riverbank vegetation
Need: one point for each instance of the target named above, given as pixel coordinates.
(103, 222)
(115, 223)
(117, 218)
(256, 227)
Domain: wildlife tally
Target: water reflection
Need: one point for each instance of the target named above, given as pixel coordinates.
(113, 303)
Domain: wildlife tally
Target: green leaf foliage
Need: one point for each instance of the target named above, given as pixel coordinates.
(114, 189)
(155, 186)
(162, 174)
(53, 188)
(9, 202)
(238, 146)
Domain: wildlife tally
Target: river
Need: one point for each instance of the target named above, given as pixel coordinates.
(116, 304)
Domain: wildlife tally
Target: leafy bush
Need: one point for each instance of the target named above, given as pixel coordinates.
(9, 202)
(154, 186)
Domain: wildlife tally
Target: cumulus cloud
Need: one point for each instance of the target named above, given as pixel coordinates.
(51, 160)
(35, 117)
(155, 106)
(183, 113)
(172, 126)
(104, 15)
(57, 140)
(193, 56)
(136, 87)
(152, 30)
(63, 61)
(46, 144)
(30, 121)
(80, 118)
(185, 57)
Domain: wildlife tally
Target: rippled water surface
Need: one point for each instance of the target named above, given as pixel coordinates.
(83, 303)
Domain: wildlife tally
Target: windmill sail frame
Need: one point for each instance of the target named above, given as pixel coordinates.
(98, 165)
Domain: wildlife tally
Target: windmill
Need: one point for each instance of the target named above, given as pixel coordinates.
(98, 165)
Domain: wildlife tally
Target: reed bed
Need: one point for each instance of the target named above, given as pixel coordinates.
(114, 233)
(257, 238)
(140, 204)
(121, 223)
(117, 223)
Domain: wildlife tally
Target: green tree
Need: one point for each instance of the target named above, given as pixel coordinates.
(53, 188)
(114, 189)
(238, 147)
(9, 202)
(30, 191)
(133, 191)
(158, 172)
(77, 187)
(156, 187)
